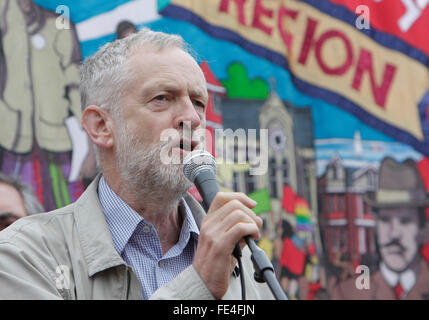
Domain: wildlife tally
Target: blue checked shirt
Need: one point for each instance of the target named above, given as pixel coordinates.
(137, 241)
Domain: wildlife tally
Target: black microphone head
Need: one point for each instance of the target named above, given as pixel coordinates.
(197, 161)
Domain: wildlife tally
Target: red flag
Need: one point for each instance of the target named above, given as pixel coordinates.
(425, 251)
(292, 258)
(288, 202)
(311, 249)
(314, 287)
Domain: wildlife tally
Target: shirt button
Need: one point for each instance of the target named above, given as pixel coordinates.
(161, 264)
(146, 229)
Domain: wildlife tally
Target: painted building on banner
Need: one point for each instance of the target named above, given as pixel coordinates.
(285, 133)
(214, 113)
(346, 222)
(286, 192)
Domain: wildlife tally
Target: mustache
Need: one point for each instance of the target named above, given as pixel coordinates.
(181, 141)
(394, 242)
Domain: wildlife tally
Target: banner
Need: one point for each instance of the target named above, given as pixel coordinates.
(379, 78)
(330, 97)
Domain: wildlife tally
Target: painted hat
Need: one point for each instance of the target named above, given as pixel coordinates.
(399, 185)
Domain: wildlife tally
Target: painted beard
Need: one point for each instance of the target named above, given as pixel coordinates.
(144, 171)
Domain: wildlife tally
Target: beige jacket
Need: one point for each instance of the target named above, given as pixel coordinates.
(69, 254)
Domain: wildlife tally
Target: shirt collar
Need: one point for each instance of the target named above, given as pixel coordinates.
(120, 217)
(189, 225)
(407, 279)
(123, 220)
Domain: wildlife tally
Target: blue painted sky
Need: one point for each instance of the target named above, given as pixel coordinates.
(372, 152)
(82, 10)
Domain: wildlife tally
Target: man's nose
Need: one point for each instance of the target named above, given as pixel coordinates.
(395, 228)
(187, 115)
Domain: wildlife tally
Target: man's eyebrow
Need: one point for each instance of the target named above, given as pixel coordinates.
(161, 86)
(200, 93)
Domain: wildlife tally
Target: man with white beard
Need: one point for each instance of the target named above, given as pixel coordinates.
(136, 233)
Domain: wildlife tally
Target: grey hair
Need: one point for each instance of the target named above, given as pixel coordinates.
(106, 74)
(31, 203)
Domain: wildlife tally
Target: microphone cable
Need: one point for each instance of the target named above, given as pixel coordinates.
(237, 254)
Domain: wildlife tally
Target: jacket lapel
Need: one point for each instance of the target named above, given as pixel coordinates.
(196, 209)
(94, 234)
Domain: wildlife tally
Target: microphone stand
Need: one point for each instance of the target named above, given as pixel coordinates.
(264, 270)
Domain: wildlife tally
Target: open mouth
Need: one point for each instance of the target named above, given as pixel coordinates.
(187, 145)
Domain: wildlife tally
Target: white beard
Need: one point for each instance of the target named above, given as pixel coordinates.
(145, 174)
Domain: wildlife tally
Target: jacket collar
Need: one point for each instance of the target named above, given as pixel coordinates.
(94, 233)
(196, 209)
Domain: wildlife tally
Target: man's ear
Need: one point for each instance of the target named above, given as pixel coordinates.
(98, 125)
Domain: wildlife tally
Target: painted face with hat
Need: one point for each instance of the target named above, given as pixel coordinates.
(399, 203)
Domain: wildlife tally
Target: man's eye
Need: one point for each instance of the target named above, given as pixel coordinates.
(405, 220)
(161, 97)
(199, 104)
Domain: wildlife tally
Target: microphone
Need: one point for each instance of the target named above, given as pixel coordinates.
(199, 167)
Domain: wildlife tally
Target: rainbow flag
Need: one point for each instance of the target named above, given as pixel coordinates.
(303, 215)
